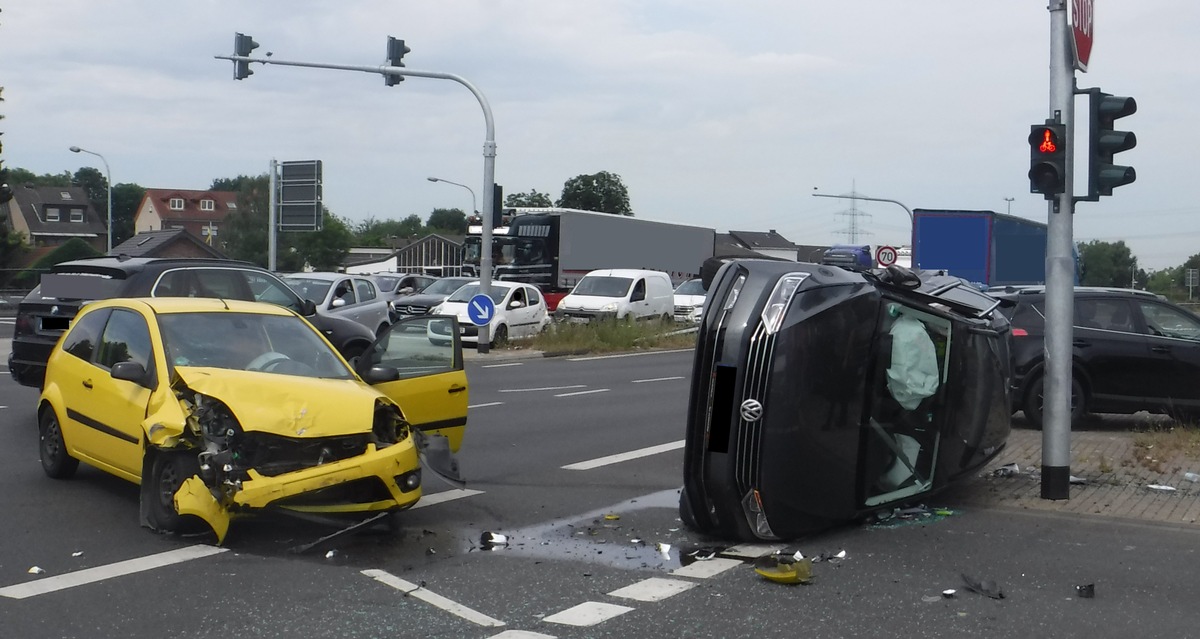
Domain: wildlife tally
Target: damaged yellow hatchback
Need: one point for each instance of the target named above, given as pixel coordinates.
(222, 407)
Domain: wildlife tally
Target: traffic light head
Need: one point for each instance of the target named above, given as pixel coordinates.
(242, 46)
(395, 56)
(1047, 159)
(1103, 175)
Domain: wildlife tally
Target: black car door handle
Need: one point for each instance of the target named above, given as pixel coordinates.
(457, 389)
(1081, 343)
(1160, 349)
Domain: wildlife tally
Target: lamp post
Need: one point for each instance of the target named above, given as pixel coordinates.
(108, 177)
(1009, 200)
(474, 209)
(911, 220)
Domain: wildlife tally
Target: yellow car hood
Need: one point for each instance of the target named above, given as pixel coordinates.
(287, 405)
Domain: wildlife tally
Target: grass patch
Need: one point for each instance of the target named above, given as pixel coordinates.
(1164, 448)
(612, 336)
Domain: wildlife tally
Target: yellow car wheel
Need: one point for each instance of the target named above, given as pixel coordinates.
(52, 448)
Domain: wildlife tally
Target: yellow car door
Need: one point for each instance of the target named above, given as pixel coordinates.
(432, 385)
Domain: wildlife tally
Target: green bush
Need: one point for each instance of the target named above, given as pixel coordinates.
(612, 336)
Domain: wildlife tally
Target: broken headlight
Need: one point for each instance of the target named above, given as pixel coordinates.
(389, 426)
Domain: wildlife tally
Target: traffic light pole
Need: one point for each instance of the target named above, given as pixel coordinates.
(1060, 273)
(489, 152)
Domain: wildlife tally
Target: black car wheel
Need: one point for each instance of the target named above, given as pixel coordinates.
(53, 449)
(168, 471)
(1034, 400)
(501, 335)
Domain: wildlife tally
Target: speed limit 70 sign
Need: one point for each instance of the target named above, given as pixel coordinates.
(885, 255)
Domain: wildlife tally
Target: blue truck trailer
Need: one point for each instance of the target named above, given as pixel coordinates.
(982, 247)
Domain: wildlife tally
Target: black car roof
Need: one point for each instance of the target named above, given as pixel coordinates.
(1014, 292)
(108, 264)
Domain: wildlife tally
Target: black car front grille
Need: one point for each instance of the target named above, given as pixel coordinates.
(273, 455)
(754, 387)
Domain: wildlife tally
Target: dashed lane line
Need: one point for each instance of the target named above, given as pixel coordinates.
(586, 392)
(544, 388)
(588, 613)
(653, 589)
(100, 573)
(595, 357)
(445, 496)
(707, 568)
(485, 405)
(622, 457)
(501, 365)
(418, 592)
(658, 379)
(521, 634)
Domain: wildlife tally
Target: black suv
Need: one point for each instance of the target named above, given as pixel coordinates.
(1132, 351)
(47, 310)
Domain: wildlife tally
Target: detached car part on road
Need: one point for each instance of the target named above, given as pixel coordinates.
(820, 395)
(219, 408)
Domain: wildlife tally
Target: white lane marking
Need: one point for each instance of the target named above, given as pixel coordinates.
(100, 573)
(413, 590)
(443, 497)
(588, 613)
(587, 392)
(521, 634)
(657, 379)
(485, 405)
(594, 357)
(750, 551)
(653, 589)
(620, 457)
(544, 388)
(707, 568)
(502, 365)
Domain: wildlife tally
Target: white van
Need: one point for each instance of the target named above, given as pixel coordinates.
(619, 293)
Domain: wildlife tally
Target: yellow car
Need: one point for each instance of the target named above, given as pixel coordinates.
(222, 407)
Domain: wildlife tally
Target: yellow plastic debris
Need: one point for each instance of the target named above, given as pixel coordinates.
(792, 572)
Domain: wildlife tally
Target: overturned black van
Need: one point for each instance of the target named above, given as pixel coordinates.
(820, 395)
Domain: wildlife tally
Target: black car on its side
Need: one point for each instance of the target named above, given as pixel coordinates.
(1131, 351)
(821, 395)
(46, 312)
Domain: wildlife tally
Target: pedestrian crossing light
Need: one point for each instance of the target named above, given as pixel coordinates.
(1047, 159)
(1103, 175)
(242, 46)
(395, 56)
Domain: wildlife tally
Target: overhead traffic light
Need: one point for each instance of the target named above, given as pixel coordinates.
(242, 46)
(1047, 158)
(395, 56)
(1103, 175)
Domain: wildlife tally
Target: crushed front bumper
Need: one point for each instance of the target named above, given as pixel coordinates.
(389, 478)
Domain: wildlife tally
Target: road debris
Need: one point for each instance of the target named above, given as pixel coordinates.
(331, 554)
(36, 571)
(949, 593)
(1086, 591)
(491, 540)
(1193, 477)
(77, 553)
(781, 569)
(612, 517)
(1008, 470)
(664, 549)
(986, 587)
(1161, 488)
(1077, 480)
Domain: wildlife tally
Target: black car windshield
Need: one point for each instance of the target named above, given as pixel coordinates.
(603, 286)
(465, 293)
(283, 344)
(691, 287)
(445, 286)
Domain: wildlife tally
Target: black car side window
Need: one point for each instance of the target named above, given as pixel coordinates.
(1165, 321)
(85, 335)
(126, 339)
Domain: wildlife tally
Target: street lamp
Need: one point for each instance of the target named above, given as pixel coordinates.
(911, 220)
(107, 176)
(474, 209)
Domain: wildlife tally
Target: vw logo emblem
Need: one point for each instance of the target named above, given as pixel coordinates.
(751, 410)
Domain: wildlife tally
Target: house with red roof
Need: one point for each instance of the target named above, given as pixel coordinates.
(201, 213)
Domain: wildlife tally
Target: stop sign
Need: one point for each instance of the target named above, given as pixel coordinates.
(1081, 28)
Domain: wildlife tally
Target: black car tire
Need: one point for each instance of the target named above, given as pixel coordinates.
(168, 471)
(1032, 404)
(501, 335)
(52, 448)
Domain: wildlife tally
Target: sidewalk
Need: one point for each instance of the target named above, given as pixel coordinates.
(1117, 468)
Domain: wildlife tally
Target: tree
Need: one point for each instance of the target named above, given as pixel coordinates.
(374, 232)
(452, 221)
(22, 177)
(12, 247)
(93, 182)
(126, 198)
(603, 192)
(1107, 264)
(530, 199)
(72, 249)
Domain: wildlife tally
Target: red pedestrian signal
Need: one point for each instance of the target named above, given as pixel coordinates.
(1047, 159)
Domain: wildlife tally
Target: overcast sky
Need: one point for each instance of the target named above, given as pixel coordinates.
(716, 113)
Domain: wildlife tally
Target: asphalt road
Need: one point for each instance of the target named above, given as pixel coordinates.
(583, 528)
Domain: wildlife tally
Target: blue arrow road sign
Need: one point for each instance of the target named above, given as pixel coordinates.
(480, 309)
